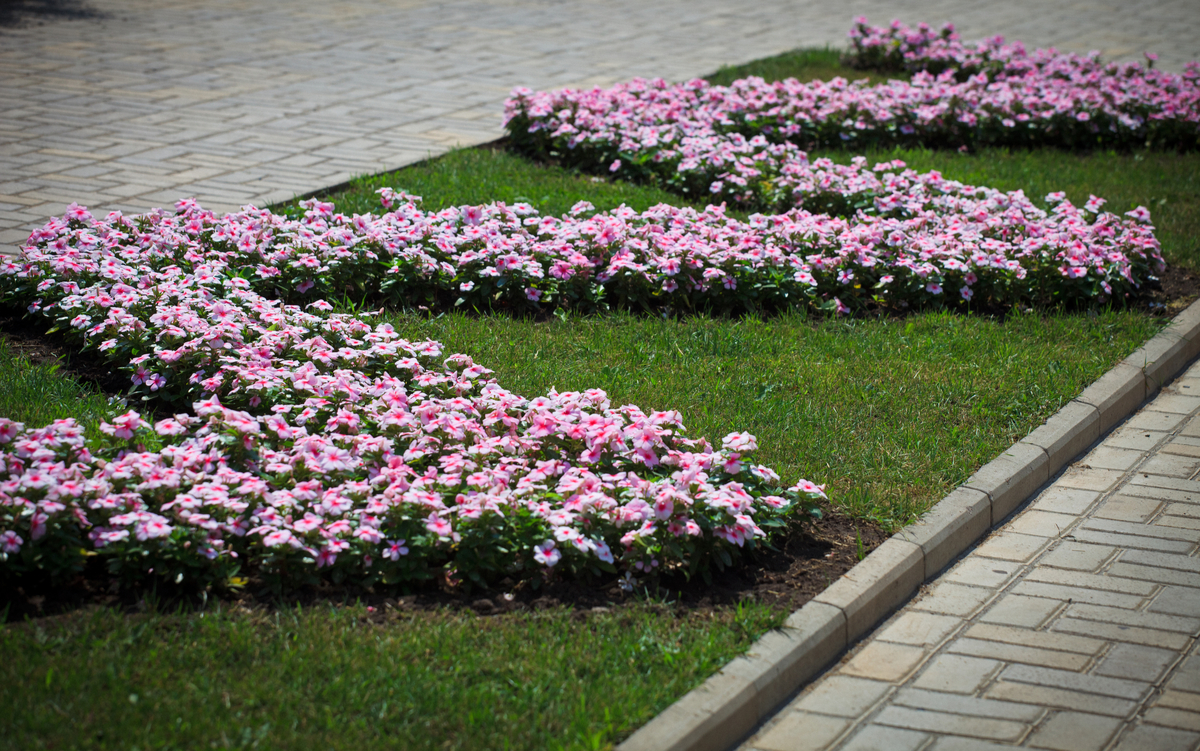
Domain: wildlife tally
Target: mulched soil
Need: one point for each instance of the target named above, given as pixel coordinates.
(807, 559)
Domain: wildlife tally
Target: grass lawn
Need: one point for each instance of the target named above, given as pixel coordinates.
(891, 413)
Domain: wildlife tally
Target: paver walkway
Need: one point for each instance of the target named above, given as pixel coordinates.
(1073, 627)
(142, 102)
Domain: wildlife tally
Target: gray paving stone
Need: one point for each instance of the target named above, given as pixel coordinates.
(982, 572)
(955, 743)
(1087, 478)
(1146, 530)
(1064, 500)
(1133, 438)
(958, 674)
(1184, 700)
(1074, 731)
(965, 705)
(879, 738)
(1129, 508)
(1047, 696)
(1186, 677)
(1136, 662)
(1173, 718)
(1156, 738)
(1085, 580)
(884, 661)
(1078, 556)
(1011, 546)
(950, 724)
(1162, 560)
(1011, 653)
(799, 731)
(842, 696)
(1020, 610)
(1171, 465)
(1128, 634)
(1112, 457)
(1041, 523)
(1142, 618)
(1150, 419)
(1040, 639)
(1140, 542)
(1154, 574)
(949, 598)
(1177, 600)
(1094, 684)
(919, 628)
(1067, 593)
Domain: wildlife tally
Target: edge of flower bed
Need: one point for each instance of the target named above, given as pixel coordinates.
(726, 707)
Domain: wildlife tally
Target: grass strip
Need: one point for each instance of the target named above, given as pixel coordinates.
(340, 677)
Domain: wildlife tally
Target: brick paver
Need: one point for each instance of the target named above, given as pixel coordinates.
(1074, 626)
(144, 102)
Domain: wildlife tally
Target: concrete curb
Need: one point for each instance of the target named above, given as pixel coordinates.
(726, 707)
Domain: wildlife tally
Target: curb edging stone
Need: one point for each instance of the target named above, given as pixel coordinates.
(730, 704)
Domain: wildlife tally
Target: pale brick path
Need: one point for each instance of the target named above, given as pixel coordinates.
(1073, 627)
(237, 101)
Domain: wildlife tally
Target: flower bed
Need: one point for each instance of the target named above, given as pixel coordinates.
(322, 442)
(743, 141)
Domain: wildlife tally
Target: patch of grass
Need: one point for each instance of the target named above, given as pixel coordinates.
(330, 678)
(485, 175)
(812, 64)
(38, 395)
(1167, 183)
(890, 413)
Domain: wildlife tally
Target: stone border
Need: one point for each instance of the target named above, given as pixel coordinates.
(725, 708)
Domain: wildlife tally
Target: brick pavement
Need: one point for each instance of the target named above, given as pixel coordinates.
(1074, 626)
(236, 102)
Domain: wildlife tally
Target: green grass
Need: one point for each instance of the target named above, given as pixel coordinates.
(327, 677)
(802, 64)
(40, 394)
(890, 413)
(477, 176)
(1165, 182)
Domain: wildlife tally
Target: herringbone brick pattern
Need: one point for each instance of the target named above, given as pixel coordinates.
(143, 102)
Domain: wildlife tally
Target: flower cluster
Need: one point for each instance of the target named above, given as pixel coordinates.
(320, 443)
(692, 135)
(926, 240)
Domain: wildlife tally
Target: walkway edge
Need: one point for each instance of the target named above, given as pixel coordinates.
(726, 707)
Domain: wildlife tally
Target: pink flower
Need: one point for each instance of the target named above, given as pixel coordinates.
(393, 549)
(438, 526)
(10, 542)
(547, 554)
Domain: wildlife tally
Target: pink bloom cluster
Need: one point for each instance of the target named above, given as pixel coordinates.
(318, 440)
(927, 240)
(695, 135)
